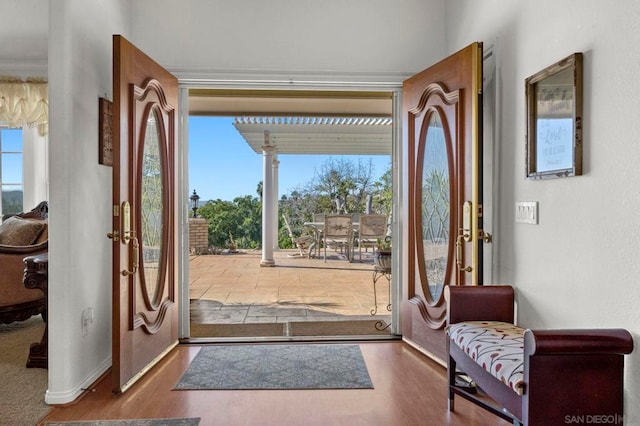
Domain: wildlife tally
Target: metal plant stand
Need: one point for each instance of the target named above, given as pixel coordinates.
(379, 272)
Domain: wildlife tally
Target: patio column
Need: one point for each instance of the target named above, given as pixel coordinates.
(276, 163)
(267, 202)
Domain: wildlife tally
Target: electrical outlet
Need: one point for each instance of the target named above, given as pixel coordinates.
(87, 320)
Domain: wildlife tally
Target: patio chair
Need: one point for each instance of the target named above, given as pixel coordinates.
(303, 242)
(372, 227)
(338, 231)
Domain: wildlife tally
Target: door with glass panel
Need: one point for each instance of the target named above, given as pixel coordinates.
(441, 116)
(145, 309)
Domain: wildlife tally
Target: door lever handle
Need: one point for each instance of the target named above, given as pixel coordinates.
(462, 237)
(134, 257)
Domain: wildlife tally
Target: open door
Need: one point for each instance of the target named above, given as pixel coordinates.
(145, 309)
(441, 118)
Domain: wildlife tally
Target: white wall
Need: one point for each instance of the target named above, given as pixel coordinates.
(80, 71)
(355, 39)
(375, 39)
(24, 29)
(578, 267)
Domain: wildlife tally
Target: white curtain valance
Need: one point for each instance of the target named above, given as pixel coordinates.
(24, 103)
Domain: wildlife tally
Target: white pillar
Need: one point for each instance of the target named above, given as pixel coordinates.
(267, 202)
(276, 163)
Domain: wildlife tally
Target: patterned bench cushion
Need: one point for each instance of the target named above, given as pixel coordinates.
(496, 346)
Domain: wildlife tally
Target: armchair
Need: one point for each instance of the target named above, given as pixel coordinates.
(338, 231)
(372, 228)
(21, 235)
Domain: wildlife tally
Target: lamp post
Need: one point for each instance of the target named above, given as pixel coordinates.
(194, 203)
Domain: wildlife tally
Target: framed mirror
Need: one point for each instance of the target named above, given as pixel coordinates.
(554, 120)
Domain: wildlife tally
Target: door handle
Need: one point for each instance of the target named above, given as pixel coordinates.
(134, 256)
(464, 236)
(126, 235)
(459, 241)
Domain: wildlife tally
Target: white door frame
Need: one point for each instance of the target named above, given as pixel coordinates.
(398, 210)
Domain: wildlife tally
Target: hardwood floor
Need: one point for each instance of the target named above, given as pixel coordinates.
(410, 389)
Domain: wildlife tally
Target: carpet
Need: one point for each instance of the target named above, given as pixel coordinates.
(244, 367)
(137, 422)
(22, 388)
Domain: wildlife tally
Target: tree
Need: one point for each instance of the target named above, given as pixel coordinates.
(12, 202)
(298, 207)
(259, 189)
(383, 193)
(337, 186)
(241, 217)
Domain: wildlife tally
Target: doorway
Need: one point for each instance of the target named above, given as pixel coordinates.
(242, 300)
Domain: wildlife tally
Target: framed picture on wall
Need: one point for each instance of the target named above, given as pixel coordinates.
(554, 120)
(105, 132)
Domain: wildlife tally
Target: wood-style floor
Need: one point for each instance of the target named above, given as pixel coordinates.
(409, 389)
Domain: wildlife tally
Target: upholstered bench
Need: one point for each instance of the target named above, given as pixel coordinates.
(541, 377)
(496, 346)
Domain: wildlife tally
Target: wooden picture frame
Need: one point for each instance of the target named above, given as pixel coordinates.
(554, 120)
(105, 132)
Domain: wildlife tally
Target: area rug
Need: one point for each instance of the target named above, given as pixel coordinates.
(194, 421)
(318, 366)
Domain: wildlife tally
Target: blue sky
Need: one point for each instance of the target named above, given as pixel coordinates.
(222, 165)
(12, 163)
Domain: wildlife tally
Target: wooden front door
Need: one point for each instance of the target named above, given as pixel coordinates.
(441, 116)
(145, 309)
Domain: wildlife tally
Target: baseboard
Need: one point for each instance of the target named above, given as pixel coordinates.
(68, 396)
(420, 349)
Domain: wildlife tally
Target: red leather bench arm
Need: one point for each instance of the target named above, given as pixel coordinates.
(574, 341)
(479, 303)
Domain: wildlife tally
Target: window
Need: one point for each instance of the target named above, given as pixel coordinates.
(11, 171)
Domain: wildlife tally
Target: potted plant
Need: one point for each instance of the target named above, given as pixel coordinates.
(382, 255)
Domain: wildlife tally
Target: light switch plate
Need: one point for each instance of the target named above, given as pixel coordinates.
(527, 212)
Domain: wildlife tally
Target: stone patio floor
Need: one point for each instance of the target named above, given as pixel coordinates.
(233, 288)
